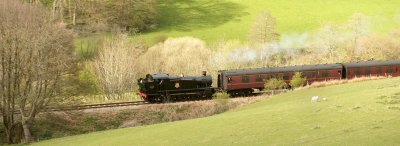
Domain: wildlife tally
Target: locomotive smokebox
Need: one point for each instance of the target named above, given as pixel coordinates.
(204, 73)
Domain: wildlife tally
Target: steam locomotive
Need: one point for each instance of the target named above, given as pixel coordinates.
(167, 88)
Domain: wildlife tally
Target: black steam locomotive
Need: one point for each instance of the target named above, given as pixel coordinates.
(166, 88)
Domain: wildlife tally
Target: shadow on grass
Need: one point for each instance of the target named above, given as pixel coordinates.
(185, 15)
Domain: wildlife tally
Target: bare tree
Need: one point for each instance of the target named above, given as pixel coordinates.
(35, 53)
(133, 15)
(263, 29)
(115, 65)
(66, 10)
(358, 26)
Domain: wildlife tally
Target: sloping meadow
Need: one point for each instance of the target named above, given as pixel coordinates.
(356, 113)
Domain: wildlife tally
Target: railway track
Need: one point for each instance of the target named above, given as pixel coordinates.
(106, 105)
(91, 106)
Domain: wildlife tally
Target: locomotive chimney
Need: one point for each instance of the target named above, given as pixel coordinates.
(204, 73)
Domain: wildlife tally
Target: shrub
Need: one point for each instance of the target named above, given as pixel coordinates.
(88, 81)
(274, 84)
(297, 80)
(221, 95)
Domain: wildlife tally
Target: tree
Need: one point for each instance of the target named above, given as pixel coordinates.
(297, 80)
(275, 84)
(358, 26)
(35, 53)
(263, 30)
(328, 42)
(132, 15)
(177, 55)
(115, 65)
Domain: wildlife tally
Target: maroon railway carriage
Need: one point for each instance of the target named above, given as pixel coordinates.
(372, 68)
(245, 80)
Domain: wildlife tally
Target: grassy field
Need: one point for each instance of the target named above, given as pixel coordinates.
(362, 113)
(213, 20)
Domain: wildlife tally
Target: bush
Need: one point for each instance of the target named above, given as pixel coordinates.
(297, 80)
(88, 82)
(274, 84)
(221, 95)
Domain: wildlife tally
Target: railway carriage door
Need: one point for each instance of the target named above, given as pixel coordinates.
(389, 70)
(378, 70)
(397, 70)
(340, 75)
(219, 81)
(368, 71)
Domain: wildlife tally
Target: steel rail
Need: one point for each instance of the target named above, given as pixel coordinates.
(89, 106)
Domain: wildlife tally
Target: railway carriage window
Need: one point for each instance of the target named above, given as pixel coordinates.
(378, 70)
(325, 74)
(322, 73)
(389, 69)
(259, 78)
(312, 74)
(245, 79)
(368, 70)
(307, 74)
(286, 76)
(271, 76)
(279, 76)
(356, 71)
(266, 78)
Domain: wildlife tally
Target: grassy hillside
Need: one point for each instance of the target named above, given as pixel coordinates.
(362, 113)
(211, 20)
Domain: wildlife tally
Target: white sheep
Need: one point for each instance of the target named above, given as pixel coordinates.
(314, 99)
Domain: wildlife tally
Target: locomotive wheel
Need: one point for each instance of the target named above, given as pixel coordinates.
(165, 99)
(151, 99)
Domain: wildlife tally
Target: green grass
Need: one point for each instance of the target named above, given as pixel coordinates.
(86, 47)
(213, 20)
(362, 113)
